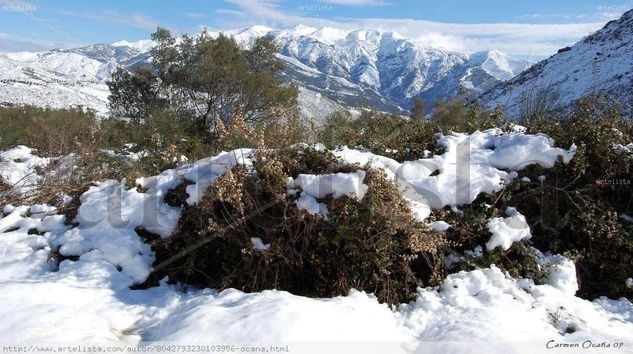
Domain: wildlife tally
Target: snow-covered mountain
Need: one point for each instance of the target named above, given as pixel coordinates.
(600, 63)
(382, 68)
(54, 79)
(341, 67)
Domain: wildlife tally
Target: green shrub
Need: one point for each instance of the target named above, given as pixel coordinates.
(455, 115)
(469, 231)
(387, 135)
(575, 210)
(56, 133)
(51, 131)
(134, 95)
(161, 139)
(206, 77)
(405, 139)
(572, 209)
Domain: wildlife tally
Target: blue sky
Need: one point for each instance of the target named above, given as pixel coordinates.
(529, 29)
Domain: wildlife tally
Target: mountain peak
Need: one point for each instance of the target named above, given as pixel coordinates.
(143, 45)
(257, 30)
(302, 30)
(330, 35)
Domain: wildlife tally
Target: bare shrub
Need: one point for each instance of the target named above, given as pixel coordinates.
(374, 244)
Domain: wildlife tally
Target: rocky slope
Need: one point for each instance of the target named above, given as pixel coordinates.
(600, 63)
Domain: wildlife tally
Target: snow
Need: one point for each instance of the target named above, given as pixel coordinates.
(311, 205)
(315, 108)
(335, 184)
(259, 245)
(599, 63)
(329, 35)
(54, 79)
(626, 218)
(477, 252)
(200, 175)
(506, 231)
(344, 65)
(439, 226)
(142, 45)
(472, 164)
(18, 168)
(487, 306)
(499, 64)
(204, 172)
(89, 300)
(623, 149)
(110, 214)
(314, 187)
(561, 272)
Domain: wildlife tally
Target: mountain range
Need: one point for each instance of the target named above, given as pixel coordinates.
(337, 69)
(334, 69)
(382, 68)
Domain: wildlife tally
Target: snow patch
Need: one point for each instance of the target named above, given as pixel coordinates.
(19, 168)
(506, 231)
(336, 184)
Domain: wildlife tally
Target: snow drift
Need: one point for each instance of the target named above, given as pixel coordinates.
(88, 299)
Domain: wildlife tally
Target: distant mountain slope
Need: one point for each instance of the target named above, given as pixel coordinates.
(54, 79)
(62, 79)
(602, 62)
(344, 67)
(382, 68)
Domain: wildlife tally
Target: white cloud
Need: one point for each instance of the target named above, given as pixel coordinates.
(134, 20)
(230, 12)
(14, 43)
(523, 40)
(195, 15)
(265, 9)
(518, 39)
(356, 2)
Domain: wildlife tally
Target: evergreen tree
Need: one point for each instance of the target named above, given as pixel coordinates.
(133, 95)
(208, 76)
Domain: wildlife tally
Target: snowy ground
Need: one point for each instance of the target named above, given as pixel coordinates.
(88, 301)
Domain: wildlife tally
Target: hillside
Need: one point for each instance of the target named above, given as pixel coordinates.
(600, 63)
(382, 68)
(344, 68)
